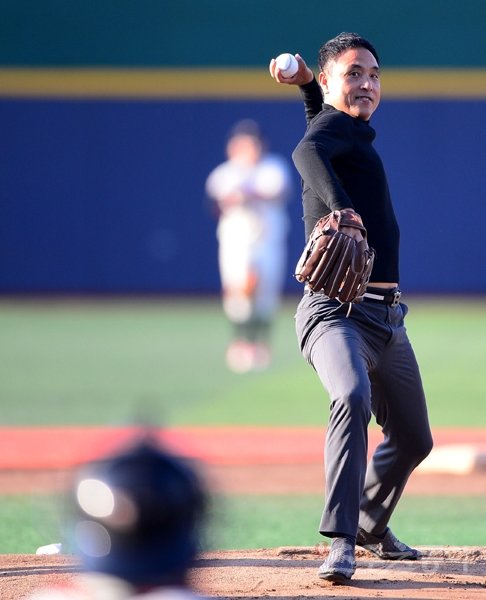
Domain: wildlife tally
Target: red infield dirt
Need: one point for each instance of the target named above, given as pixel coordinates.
(245, 460)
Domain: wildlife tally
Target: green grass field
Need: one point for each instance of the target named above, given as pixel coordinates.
(111, 362)
(27, 522)
(108, 362)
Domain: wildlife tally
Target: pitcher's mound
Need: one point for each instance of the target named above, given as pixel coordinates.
(445, 573)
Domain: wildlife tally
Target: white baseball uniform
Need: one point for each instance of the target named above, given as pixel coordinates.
(252, 234)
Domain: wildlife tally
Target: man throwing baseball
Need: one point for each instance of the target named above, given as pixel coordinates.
(360, 351)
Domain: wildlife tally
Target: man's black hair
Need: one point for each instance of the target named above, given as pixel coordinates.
(341, 43)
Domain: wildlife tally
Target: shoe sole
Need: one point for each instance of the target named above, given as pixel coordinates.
(338, 578)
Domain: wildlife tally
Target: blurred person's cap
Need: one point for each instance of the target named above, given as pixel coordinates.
(246, 127)
(138, 515)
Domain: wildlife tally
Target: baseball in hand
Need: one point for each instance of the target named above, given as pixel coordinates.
(288, 65)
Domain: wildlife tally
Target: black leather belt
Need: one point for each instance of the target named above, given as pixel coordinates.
(390, 297)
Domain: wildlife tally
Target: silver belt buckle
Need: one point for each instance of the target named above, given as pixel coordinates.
(396, 298)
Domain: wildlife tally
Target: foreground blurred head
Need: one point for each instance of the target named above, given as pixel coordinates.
(139, 516)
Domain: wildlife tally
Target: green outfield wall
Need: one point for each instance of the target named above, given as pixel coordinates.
(189, 33)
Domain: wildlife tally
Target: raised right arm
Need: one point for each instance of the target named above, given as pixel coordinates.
(308, 86)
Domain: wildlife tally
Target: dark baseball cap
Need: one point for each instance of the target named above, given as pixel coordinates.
(139, 514)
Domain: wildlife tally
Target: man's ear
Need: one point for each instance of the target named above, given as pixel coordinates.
(323, 81)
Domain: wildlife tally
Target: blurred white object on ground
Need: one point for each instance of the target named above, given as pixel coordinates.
(50, 549)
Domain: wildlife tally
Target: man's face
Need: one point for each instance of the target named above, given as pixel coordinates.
(351, 83)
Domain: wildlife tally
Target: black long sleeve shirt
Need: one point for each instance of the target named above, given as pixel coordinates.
(340, 169)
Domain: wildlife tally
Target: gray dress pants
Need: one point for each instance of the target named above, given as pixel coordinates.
(367, 365)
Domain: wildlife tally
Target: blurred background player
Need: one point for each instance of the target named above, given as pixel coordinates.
(137, 525)
(250, 190)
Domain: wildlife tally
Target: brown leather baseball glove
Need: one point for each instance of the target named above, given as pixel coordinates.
(333, 261)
